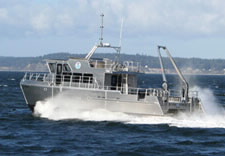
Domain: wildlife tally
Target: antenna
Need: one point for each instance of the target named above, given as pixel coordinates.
(121, 33)
(101, 27)
(118, 49)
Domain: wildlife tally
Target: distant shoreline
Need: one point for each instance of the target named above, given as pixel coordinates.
(149, 64)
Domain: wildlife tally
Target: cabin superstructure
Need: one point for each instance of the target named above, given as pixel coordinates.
(101, 73)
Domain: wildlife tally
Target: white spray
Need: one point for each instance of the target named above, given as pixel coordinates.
(62, 107)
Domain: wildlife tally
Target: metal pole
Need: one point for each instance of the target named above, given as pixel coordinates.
(185, 87)
(165, 85)
(101, 27)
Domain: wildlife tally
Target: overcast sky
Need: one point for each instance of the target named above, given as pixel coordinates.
(189, 28)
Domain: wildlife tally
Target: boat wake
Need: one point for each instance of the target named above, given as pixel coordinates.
(61, 108)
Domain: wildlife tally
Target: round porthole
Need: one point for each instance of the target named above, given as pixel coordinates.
(78, 65)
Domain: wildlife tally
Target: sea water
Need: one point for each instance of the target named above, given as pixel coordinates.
(56, 128)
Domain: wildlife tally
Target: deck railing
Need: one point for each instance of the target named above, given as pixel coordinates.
(101, 64)
(63, 80)
(132, 66)
(91, 82)
(126, 65)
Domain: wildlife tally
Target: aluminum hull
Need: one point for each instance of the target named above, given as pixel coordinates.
(93, 98)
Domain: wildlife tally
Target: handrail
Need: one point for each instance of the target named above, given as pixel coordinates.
(64, 80)
(132, 66)
(91, 82)
(101, 64)
(131, 90)
(115, 66)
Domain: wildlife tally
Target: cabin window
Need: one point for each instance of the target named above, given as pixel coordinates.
(52, 67)
(77, 77)
(66, 72)
(88, 78)
(59, 74)
(59, 68)
(66, 68)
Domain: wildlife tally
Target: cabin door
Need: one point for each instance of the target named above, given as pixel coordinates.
(59, 74)
(116, 82)
(125, 83)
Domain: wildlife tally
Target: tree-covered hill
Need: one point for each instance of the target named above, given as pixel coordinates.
(37, 63)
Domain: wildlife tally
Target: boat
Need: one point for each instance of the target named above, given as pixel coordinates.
(108, 84)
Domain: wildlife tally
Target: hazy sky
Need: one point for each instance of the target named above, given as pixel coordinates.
(189, 28)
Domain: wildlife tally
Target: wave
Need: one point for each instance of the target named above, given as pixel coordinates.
(3, 85)
(61, 108)
(12, 79)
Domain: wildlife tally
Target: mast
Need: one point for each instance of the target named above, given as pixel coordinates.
(101, 44)
(101, 27)
(118, 50)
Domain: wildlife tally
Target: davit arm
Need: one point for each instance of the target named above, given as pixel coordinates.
(185, 87)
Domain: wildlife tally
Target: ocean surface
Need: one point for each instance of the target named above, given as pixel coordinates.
(103, 133)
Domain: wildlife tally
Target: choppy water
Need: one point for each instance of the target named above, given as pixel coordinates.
(100, 132)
